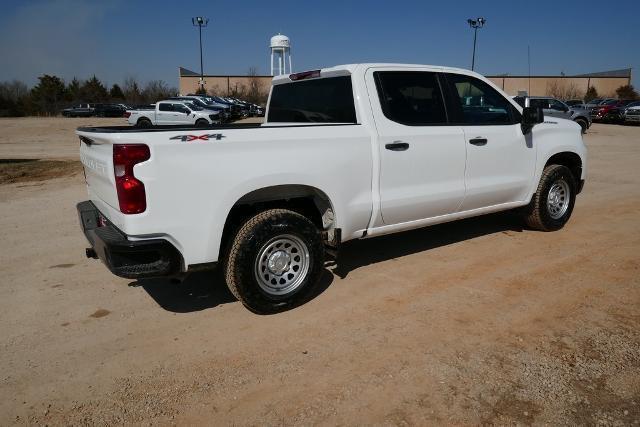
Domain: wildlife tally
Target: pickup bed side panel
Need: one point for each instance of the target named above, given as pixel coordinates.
(192, 183)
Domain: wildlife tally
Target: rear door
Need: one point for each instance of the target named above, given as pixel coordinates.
(422, 158)
(500, 160)
(164, 114)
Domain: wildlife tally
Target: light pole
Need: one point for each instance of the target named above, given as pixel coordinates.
(200, 21)
(475, 24)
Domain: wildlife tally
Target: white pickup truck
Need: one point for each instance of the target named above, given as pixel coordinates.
(348, 152)
(172, 113)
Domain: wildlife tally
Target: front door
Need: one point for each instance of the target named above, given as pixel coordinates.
(500, 159)
(422, 158)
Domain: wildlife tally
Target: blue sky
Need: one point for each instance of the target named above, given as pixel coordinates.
(150, 39)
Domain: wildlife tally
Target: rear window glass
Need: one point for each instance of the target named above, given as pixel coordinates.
(328, 100)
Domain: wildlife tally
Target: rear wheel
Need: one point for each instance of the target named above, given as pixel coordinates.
(144, 123)
(552, 204)
(202, 123)
(275, 261)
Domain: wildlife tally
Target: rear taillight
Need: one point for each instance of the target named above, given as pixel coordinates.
(127, 114)
(131, 194)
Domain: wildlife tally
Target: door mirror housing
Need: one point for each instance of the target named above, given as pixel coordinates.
(531, 116)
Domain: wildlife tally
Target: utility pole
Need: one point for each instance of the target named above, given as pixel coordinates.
(475, 24)
(200, 21)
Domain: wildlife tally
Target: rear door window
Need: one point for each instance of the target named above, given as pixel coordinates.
(412, 98)
(327, 100)
(165, 107)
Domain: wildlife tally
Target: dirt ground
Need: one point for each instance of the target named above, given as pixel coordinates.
(471, 322)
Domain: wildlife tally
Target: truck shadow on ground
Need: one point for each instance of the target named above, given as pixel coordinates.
(207, 289)
(360, 253)
(204, 290)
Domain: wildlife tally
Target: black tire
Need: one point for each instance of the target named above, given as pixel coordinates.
(144, 123)
(201, 123)
(538, 214)
(583, 125)
(257, 235)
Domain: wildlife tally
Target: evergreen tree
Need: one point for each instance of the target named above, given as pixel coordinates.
(116, 92)
(627, 92)
(592, 93)
(93, 90)
(48, 94)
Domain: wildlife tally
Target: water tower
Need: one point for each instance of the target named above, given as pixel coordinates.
(281, 53)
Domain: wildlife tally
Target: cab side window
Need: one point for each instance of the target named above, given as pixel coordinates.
(411, 98)
(181, 108)
(477, 103)
(165, 107)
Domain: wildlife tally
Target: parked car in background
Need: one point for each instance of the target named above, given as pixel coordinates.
(80, 110)
(225, 116)
(610, 111)
(172, 113)
(631, 113)
(555, 108)
(109, 110)
(575, 103)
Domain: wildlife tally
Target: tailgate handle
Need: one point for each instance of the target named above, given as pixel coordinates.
(397, 146)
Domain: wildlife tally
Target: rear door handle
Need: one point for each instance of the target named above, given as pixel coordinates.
(478, 141)
(397, 146)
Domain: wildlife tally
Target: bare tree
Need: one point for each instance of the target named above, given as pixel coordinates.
(561, 89)
(157, 90)
(255, 93)
(131, 90)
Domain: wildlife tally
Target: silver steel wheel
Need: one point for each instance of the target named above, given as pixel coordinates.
(558, 199)
(282, 264)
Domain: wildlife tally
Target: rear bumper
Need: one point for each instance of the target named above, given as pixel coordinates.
(132, 259)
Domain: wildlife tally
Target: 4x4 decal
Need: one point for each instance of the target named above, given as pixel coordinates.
(205, 137)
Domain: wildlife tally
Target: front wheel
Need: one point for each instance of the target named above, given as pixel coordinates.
(552, 204)
(275, 261)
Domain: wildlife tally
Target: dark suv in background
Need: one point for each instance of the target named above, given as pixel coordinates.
(109, 110)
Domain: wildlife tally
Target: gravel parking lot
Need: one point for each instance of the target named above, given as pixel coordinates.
(478, 321)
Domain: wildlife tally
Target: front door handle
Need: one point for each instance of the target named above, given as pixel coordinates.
(397, 146)
(478, 141)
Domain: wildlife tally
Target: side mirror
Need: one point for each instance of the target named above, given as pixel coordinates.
(531, 116)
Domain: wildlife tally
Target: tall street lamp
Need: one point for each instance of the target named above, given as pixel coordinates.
(475, 24)
(200, 21)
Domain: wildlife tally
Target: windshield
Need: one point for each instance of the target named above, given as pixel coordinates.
(611, 102)
(193, 106)
(198, 102)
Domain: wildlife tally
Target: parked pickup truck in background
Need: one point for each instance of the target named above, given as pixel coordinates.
(348, 152)
(172, 113)
(80, 110)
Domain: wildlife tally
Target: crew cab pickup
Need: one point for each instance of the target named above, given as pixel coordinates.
(172, 113)
(348, 152)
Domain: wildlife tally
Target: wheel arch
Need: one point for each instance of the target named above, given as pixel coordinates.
(570, 159)
(307, 200)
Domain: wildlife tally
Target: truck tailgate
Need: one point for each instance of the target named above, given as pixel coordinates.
(96, 155)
